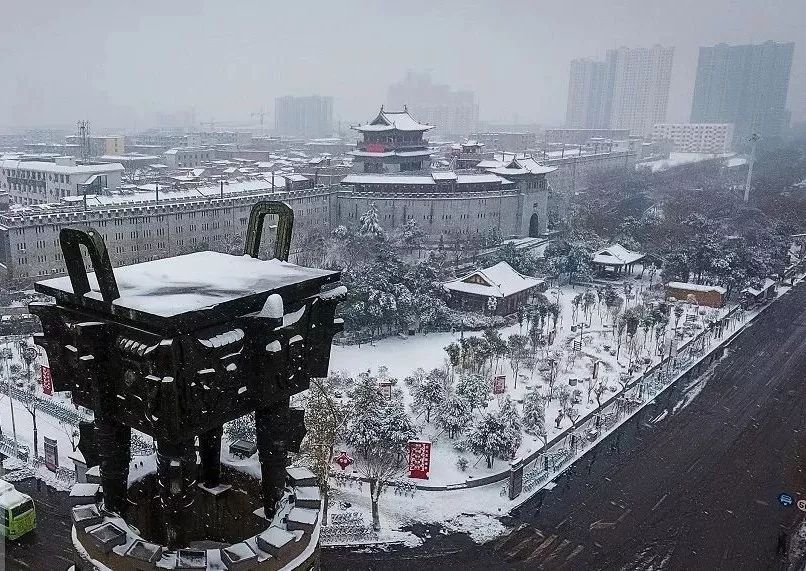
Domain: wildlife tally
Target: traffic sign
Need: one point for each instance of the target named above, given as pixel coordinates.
(802, 505)
(785, 499)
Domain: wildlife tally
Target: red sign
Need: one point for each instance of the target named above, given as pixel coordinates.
(499, 384)
(419, 459)
(47, 380)
(376, 148)
(343, 460)
(51, 454)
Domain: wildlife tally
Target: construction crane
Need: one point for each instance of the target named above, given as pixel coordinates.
(262, 114)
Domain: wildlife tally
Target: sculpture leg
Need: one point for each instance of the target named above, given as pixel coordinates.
(176, 474)
(210, 455)
(272, 425)
(114, 455)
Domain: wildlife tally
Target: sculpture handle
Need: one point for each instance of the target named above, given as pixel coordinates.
(285, 223)
(71, 239)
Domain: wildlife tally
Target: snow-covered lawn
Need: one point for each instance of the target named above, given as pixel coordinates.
(403, 355)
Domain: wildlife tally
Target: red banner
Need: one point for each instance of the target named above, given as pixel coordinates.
(376, 148)
(419, 459)
(47, 380)
(499, 384)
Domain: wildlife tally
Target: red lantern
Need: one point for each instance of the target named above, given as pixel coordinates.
(343, 460)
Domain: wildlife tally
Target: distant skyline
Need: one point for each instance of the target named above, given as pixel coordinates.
(122, 68)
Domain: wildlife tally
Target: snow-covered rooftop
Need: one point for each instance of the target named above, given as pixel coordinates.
(393, 120)
(616, 255)
(696, 287)
(500, 280)
(43, 166)
(441, 176)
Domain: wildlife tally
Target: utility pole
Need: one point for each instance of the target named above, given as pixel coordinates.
(7, 350)
(753, 140)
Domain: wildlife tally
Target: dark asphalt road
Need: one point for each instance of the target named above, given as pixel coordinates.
(49, 546)
(696, 490)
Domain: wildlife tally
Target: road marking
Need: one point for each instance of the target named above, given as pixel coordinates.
(542, 547)
(579, 549)
(659, 502)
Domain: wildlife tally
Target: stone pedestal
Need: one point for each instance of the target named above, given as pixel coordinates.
(289, 541)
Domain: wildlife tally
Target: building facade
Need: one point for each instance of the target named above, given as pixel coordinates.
(455, 113)
(587, 86)
(392, 142)
(695, 137)
(628, 90)
(745, 85)
(309, 117)
(640, 87)
(37, 182)
(188, 157)
(100, 144)
(139, 232)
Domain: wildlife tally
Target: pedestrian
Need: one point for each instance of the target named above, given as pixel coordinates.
(781, 548)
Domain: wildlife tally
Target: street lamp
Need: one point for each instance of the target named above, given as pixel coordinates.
(7, 356)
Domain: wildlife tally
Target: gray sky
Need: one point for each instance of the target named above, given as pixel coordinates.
(118, 63)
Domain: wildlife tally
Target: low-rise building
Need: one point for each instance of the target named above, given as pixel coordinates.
(706, 295)
(37, 182)
(498, 289)
(695, 137)
(151, 223)
(188, 157)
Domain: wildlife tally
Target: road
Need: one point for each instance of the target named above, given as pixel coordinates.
(49, 546)
(695, 490)
(679, 487)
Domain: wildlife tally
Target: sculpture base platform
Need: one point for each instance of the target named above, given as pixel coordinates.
(245, 542)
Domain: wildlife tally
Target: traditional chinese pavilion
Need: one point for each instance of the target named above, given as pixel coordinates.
(393, 142)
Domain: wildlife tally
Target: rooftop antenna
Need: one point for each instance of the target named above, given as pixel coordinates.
(260, 114)
(84, 138)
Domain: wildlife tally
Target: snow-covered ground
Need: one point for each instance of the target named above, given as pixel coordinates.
(403, 355)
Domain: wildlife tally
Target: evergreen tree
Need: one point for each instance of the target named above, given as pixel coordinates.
(474, 389)
(534, 413)
(454, 415)
(429, 393)
(496, 434)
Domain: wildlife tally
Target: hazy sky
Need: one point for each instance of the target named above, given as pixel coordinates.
(118, 63)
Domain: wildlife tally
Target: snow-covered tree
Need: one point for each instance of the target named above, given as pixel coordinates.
(518, 352)
(496, 435)
(417, 376)
(369, 225)
(71, 432)
(378, 431)
(325, 420)
(454, 415)
(474, 389)
(534, 413)
(429, 393)
(242, 428)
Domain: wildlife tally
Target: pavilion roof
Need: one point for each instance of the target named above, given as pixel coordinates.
(393, 121)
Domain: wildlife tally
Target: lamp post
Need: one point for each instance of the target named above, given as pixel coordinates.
(7, 355)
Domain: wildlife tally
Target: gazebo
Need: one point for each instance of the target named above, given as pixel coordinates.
(616, 258)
